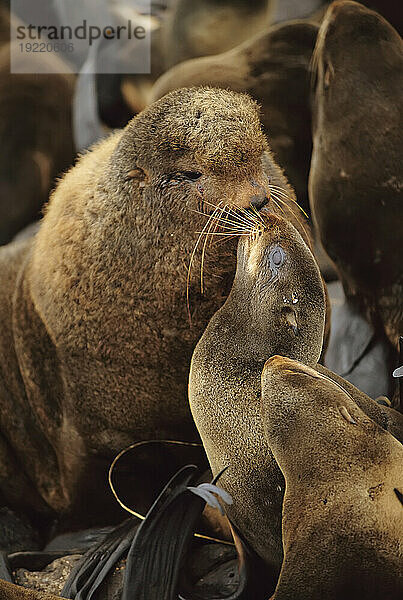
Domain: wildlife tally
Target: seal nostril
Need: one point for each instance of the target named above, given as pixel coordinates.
(258, 202)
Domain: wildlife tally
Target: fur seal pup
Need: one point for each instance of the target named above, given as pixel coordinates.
(277, 301)
(96, 342)
(274, 68)
(342, 518)
(356, 173)
(204, 27)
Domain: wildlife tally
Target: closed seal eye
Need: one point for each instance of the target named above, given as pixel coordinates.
(276, 258)
(191, 175)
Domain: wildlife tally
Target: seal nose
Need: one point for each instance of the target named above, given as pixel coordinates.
(258, 202)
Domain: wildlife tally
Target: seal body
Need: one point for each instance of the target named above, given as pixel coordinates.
(342, 517)
(96, 340)
(277, 301)
(273, 67)
(356, 173)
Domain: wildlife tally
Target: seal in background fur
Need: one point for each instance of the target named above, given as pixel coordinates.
(342, 517)
(356, 172)
(35, 129)
(204, 27)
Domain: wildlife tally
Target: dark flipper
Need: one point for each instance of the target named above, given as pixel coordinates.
(86, 578)
(159, 551)
(158, 548)
(155, 558)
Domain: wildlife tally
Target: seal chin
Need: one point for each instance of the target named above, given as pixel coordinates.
(283, 366)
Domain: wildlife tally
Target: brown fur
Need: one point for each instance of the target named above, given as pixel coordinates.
(225, 377)
(356, 173)
(273, 67)
(36, 134)
(342, 520)
(204, 27)
(96, 341)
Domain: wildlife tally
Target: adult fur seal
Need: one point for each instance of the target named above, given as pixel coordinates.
(35, 129)
(96, 342)
(277, 301)
(204, 27)
(356, 172)
(274, 68)
(342, 517)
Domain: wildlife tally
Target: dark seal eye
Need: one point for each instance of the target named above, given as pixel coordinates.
(192, 175)
(277, 257)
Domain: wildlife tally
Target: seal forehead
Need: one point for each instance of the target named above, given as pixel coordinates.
(220, 128)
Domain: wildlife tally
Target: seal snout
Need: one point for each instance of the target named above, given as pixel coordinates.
(262, 196)
(259, 201)
(253, 194)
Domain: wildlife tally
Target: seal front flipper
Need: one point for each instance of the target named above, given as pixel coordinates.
(156, 559)
(87, 577)
(40, 412)
(158, 549)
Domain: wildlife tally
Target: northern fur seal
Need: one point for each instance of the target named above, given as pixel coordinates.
(35, 129)
(274, 68)
(356, 173)
(96, 342)
(204, 27)
(277, 301)
(342, 518)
